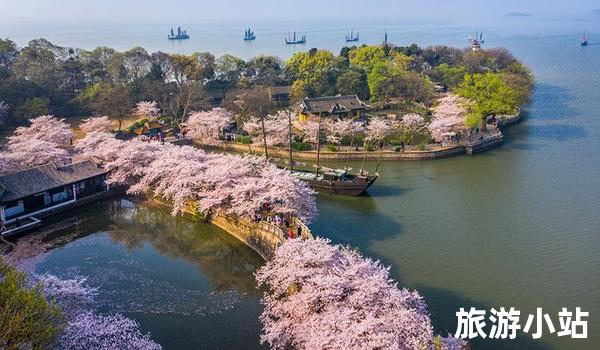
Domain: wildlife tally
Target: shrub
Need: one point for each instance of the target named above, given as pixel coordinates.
(27, 319)
(331, 148)
(301, 146)
(245, 140)
(421, 146)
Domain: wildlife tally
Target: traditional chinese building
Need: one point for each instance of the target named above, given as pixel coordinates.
(335, 107)
(280, 95)
(40, 191)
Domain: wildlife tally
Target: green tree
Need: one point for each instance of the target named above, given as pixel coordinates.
(366, 57)
(110, 99)
(32, 108)
(313, 73)
(488, 95)
(353, 81)
(264, 70)
(449, 76)
(27, 319)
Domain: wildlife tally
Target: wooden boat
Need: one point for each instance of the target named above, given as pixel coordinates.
(180, 35)
(477, 41)
(352, 37)
(249, 35)
(336, 181)
(292, 40)
(584, 39)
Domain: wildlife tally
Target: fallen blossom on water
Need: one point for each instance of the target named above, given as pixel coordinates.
(88, 331)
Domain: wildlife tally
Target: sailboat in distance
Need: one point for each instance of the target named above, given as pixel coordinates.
(477, 41)
(584, 39)
(180, 35)
(292, 40)
(249, 35)
(351, 36)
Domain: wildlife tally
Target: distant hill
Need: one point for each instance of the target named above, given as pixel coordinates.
(518, 14)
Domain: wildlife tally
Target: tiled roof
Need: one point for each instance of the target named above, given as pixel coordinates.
(332, 104)
(27, 182)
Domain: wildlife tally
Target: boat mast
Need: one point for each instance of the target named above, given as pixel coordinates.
(290, 138)
(319, 143)
(362, 167)
(262, 122)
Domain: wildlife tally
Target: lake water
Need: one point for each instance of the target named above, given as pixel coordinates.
(517, 226)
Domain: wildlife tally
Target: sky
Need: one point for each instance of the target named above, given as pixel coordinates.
(50, 11)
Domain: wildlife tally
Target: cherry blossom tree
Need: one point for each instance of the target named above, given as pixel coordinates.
(376, 131)
(206, 127)
(31, 153)
(276, 129)
(146, 109)
(45, 128)
(340, 128)
(94, 124)
(412, 124)
(380, 128)
(190, 178)
(309, 130)
(323, 296)
(101, 146)
(447, 119)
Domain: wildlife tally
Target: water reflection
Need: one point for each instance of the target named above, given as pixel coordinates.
(189, 284)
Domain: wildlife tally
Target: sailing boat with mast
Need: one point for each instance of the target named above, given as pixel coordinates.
(351, 36)
(249, 35)
(292, 40)
(336, 181)
(584, 39)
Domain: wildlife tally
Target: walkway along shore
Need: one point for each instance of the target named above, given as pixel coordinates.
(493, 139)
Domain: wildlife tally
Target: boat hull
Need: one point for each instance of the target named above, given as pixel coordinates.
(347, 188)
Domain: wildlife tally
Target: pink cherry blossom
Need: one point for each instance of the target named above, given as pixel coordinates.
(45, 128)
(309, 129)
(447, 119)
(93, 124)
(101, 146)
(276, 129)
(212, 183)
(207, 127)
(323, 296)
(379, 128)
(30, 153)
(146, 109)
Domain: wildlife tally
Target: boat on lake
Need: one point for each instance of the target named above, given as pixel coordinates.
(336, 181)
(477, 41)
(180, 35)
(249, 35)
(584, 39)
(292, 40)
(352, 37)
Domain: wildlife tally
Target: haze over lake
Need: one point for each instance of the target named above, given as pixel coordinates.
(517, 226)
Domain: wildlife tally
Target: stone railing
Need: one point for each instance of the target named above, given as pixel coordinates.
(263, 237)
